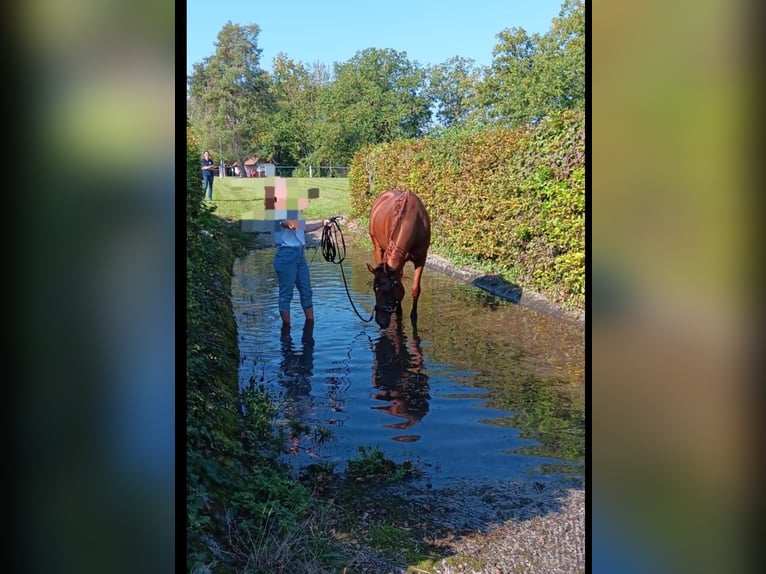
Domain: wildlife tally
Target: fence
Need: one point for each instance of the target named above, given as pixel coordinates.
(313, 171)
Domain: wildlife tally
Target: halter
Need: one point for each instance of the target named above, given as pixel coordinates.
(394, 282)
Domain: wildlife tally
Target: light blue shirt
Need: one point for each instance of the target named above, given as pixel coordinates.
(292, 237)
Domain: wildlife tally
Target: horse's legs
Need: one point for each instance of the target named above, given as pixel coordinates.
(416, 291)
(379, 251)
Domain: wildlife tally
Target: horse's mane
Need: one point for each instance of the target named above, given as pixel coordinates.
(397, 213)
(399, 205)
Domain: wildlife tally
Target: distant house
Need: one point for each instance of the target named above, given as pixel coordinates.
(254, 167)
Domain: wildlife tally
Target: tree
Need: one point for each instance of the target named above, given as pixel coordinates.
(532, 76)
(296, 89)
(562, 55)
(453, 87)
(229, 98)
(377, 96)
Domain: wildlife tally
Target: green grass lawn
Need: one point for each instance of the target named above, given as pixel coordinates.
(237, 198)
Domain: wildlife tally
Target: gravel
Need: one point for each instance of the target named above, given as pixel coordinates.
(492, 528)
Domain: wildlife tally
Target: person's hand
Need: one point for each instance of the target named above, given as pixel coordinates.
(327, 223)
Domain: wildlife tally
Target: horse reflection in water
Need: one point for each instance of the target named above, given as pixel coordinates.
(399, 376)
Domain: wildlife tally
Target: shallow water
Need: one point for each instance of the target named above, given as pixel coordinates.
(484, 389)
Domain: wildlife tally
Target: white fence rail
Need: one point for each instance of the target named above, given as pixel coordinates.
(314, 170)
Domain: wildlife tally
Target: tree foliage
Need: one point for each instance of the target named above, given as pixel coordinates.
(453, 90)
(296, 89)
(303, 114)
(378, 96)
(229, 96)
(534, 76)
(510, 198)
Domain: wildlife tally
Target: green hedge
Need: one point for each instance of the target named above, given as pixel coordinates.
(509, 200)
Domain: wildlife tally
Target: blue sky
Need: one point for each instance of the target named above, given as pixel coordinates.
(429, 31)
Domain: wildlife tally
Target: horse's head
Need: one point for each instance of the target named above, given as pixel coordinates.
(389, 292)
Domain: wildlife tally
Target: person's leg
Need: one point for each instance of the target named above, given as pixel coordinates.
(303, 282)
(205, 187)
(284, 265)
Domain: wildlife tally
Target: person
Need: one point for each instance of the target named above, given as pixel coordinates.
(208, 171)
(291, 267)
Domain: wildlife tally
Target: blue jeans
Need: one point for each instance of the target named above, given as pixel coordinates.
(292, 271)
(207, 186)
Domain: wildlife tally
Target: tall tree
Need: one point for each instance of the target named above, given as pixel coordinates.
(453, 86)
(562, 55)
(229, 97)
(296, 89)
(532, 76)
(377, 96)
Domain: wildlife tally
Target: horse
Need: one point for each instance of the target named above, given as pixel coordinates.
(400, 230)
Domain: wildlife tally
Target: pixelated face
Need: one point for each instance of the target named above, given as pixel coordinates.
(283, 201)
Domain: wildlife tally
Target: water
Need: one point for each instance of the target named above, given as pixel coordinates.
(485, 388)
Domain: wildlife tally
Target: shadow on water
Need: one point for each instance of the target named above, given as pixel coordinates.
(485, 389)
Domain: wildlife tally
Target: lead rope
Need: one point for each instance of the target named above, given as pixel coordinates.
(333, 252)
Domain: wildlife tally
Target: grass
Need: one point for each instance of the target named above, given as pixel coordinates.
(237, 198)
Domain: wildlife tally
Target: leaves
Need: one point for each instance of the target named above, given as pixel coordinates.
(535, 76)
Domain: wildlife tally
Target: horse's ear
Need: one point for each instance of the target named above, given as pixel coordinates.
(370, 267)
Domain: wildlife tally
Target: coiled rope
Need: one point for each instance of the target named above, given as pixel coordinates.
(334, 251)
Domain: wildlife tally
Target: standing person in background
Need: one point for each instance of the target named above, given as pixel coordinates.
(292, 269)
(208, 172)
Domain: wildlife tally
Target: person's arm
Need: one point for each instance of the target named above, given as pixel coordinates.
(316, 225)
(293, 224)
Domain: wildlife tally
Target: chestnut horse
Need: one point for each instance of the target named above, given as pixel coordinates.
(400, 230)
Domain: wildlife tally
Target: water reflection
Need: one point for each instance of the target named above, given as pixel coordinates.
(297, 365)
(484, 388)
(398, 373)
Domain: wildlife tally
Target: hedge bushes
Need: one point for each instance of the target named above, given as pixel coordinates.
(508, 200)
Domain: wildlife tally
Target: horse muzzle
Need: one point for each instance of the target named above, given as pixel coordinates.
(383, 315)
